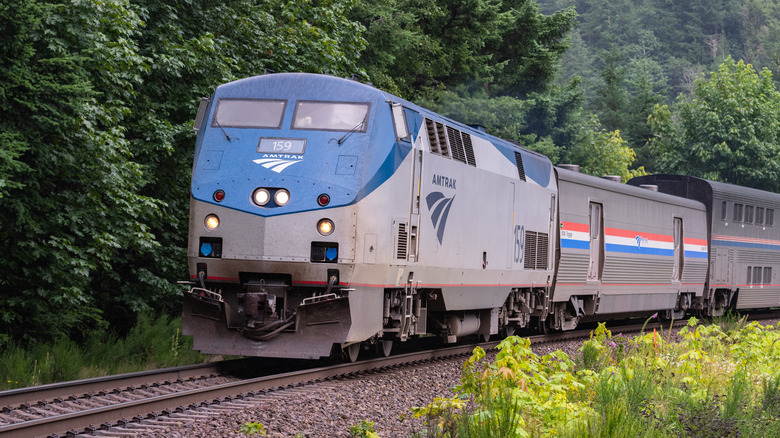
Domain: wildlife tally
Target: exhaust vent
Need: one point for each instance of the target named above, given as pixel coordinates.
(571, 167)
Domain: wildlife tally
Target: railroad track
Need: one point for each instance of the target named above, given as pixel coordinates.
(132, 402)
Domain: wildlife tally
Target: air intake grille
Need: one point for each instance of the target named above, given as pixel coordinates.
(450, 142)
(520, 170)
(456, 144)
(536, 245)
(469, 150)
(437, 137)
(403, 241)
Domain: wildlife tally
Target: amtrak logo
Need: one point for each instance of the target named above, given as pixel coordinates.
(640, 240)
(278, 162)
(439, 206)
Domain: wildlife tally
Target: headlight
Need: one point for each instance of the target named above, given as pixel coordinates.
(325, 227)
(212, 221)
(281, 197)
(261, 196)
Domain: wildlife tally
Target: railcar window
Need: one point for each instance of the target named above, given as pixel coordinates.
(767, 275)
(738, 212)
(749, 274)
(249, 113)
(748, 214)
(770, 217)
(759, 215)
(331, 116)
(757, 275)
(723, 211)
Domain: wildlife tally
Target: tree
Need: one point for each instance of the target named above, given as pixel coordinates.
(646, 88)
(612, 101)
(728, 131)
(97, 109)
(599, 152)
(505, 46)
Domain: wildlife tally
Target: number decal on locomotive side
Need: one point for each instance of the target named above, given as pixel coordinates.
(519, 243)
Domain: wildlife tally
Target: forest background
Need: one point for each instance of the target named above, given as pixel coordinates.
(97, 99)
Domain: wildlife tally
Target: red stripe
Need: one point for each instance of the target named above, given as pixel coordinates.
(573, 226)
(692, 241)
(629, 284)
(632, 234)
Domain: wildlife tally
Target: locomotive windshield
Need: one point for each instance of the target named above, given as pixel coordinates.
(249, 113)
(331, 116)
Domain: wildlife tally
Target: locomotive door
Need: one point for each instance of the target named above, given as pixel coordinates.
(596, 227)
(414, 219)
(402, 133)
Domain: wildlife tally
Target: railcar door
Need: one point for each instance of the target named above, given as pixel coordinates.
(596, 226)
(679, 250)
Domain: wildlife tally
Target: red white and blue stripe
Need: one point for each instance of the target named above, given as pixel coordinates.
(745, 242)
(577, 236)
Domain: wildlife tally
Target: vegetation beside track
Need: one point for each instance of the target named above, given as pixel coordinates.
(717, 380)
(151, 343)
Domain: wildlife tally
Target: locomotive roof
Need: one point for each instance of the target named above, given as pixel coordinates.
(328, 87)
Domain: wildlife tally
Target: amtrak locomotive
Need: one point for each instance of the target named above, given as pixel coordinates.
(328, 217)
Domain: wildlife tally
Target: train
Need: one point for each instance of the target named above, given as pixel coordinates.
(328, 217)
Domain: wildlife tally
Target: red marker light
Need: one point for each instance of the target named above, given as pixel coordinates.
(219, 195)
(323, 199)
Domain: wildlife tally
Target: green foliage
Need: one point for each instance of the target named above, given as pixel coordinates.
(96, 142)
(516, 393)
(506, 46)
(599, 152)
(728, 131)
(152, 343)
(364, 429)
(710, 384)
(253, 428)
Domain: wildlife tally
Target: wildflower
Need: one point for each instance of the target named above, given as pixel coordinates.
(655, 315)
(612, 344)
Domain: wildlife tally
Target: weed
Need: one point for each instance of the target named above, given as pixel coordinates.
(151, 343)
(364, 429)
(253, 428)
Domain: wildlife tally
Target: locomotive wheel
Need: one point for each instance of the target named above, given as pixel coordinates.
(351, 352)
(383, 348)
(542, 326)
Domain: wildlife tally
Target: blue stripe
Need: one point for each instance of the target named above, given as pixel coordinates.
(746, 245)
(611, 247)
(576, 244)
(696, 254)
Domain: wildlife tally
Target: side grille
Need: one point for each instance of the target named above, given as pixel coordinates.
(530, 250)
(520, 170)
(437, 137)
(471, 161)
(450, 142)
(456, 144)
(403, 242)
(536, 245)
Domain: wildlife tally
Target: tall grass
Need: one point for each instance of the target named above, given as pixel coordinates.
(712, 383)
(154, 342)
